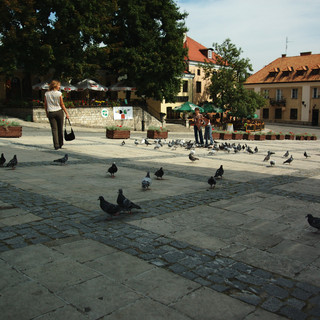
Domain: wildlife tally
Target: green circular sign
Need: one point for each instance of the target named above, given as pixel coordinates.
(104, 113)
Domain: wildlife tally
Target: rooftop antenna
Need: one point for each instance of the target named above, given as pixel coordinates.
(287, 41)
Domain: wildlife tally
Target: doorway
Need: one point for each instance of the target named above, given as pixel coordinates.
(315, 117)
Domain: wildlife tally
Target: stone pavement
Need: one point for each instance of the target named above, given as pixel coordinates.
(241, 251)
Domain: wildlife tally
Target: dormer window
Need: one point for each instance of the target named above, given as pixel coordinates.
(209, 54)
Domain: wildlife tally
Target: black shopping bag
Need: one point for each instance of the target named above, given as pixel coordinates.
(68, 136)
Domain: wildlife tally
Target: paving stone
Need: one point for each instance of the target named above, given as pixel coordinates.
(283, 282)
(272, 304)
(298, 304)
(276, 291)
(301, 294)
(308, 287)
(7, 235)
(247, 297)
(293, 313)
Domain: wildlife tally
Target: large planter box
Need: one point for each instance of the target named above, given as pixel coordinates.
(11, 132)
(226, 136)
(280, 136)
(237, 136)
(313, 138)
(152, 134)
(271, 137)
(215, 135)
(299, 137)
(289, 137)
(260, 137)
(248, 136)
(118, 134)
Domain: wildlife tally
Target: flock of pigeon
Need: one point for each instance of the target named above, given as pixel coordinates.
(125, 205)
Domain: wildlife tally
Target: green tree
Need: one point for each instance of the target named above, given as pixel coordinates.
(65, 36)
(227, 77)
(146, 45)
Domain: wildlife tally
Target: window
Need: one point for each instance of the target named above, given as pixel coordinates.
(185, 86)
(198, 72)
(210, 54)
(294, 93)
(182, 98)
(265, 113)
(279, 95)
(278, 113)
(315, 93)
(198, 86)
(266, 94)
(293, 114)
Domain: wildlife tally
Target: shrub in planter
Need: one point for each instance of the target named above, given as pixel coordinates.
(215, 134)
(314, 137)
(248, 136)
(157, 133)
(280, 136)
(117, 132)
(226, 135)
(260, 136)
(299, 136)
(271, 135)
(10, 129)
(289, 136)
(237, 135)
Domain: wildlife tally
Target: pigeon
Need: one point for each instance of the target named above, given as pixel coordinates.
(62, 160)
(113, 169)
(256, 149)
(313, 221)
(110, 208)
(192, 157)
(272, 163)
(2, 160)
(146, 181)
(159, 173)
(13, 163)
(136, 142)
(219, 172)
(124, 203)
(123, 143)
(286, 155)
(306, 155)
(146, 141)
(157, 146)
(249, 150)
(211, 153)
(212, 181)
(289, 160)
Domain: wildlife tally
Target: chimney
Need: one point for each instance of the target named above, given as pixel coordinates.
(308, 53)
(283, 55)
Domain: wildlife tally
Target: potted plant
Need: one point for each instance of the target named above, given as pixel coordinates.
(157, 132)
(260, 136)
(289, 136)
(226, 135)
(248, 136)
(307, 136)
(118, 132)
(280, 136)
(313, 137)
(215, 134)
(237, 135)
(10, 129)
(271, 135)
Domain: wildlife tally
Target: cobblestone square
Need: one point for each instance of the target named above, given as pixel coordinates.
(243, 250)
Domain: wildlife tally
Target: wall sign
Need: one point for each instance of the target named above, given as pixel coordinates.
(104, 113)
(122, 113)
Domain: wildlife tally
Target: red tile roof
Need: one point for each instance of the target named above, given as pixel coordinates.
(289, 69)
(197, 52)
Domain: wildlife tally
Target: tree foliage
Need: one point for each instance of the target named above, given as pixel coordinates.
(147, 46)
(142, 39)
(227, 77)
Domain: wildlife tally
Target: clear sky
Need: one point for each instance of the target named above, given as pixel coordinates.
(258, 27)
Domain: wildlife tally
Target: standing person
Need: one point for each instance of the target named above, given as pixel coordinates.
(55, 110)
(207, 129)
(198, 122)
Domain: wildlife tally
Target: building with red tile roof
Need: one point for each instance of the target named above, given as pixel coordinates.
(292, 87)
(194, 85)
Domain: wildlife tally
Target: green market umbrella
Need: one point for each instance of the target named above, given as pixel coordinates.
(188, 106)
(210, 107)
(255, 116)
